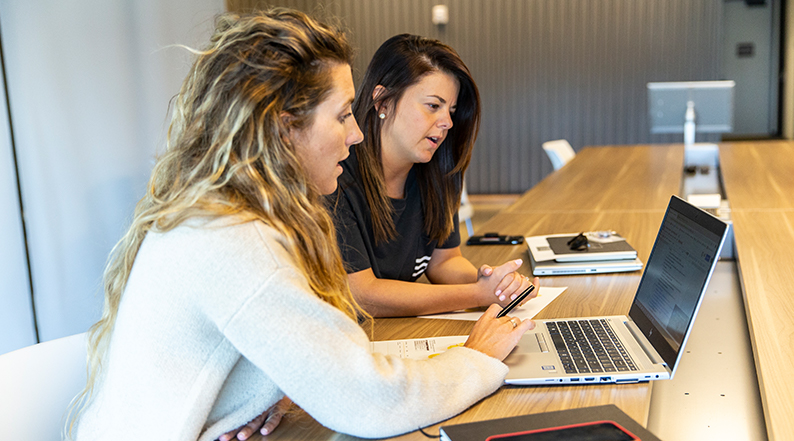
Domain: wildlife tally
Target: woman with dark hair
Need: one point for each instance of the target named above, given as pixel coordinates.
(396, 207)
(228, 291)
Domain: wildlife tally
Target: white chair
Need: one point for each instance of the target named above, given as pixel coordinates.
(37, 383)
(466, 211)
(559, 151)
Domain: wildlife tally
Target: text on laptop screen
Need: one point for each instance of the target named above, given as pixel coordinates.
(675, 275)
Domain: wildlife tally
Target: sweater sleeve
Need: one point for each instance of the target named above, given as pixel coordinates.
(321, 359)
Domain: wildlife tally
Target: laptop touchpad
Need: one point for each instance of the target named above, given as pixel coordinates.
(530, 343)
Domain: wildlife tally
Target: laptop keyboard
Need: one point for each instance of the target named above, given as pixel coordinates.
(589, 346)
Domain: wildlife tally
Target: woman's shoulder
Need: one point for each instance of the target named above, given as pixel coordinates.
(234, 240)
(265, 240)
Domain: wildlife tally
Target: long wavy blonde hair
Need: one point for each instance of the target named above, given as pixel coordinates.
(229, 153)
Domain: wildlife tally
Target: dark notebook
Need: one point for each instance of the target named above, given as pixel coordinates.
(480, 430)
(561, 246)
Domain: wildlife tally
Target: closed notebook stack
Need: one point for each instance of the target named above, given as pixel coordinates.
(585, 253)
(482, 430)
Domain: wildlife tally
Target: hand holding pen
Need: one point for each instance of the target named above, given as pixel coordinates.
(496, 334)
(517, 301)
(496, 337)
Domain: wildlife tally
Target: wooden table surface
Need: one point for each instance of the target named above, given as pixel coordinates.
(624, 178)
(626, 188)
(621, 188)
(634, 399)
(759, 184)
(758, 175)
(603, 294)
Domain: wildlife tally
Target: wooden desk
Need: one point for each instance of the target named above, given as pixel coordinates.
(586, 295)
(634, 399)
(622, 178)
(759, 184)
(623, 188)
(758, 175)
(604, 294)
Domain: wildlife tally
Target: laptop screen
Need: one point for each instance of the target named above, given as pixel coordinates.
(679, 267)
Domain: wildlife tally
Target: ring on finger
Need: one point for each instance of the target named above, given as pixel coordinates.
(514, 322)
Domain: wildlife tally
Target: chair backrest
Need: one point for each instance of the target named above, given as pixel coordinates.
(559, 151)
(37, 383)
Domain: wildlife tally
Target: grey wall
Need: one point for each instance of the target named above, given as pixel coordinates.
(755, 74)
(549, 69)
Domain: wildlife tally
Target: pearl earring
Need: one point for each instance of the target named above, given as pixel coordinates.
(382, 116)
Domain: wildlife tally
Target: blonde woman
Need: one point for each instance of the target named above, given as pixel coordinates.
(228, 291)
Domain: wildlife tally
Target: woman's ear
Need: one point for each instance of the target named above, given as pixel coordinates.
(287, 119)
(287, 122)
(377, 93)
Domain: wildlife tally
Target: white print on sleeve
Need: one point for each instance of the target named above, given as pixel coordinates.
(421, 266)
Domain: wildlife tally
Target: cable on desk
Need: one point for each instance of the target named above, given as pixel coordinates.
(429, 435)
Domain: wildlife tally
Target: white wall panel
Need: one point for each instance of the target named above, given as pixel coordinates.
(16, 314)
(90, 83)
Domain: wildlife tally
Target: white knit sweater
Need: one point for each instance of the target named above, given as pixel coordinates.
(217, 324)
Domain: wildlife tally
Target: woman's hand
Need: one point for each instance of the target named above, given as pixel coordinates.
(496, 337)
(505, 283)
(265, 423)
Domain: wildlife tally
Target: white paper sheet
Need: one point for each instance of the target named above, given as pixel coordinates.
(546, 295)
(417, 348)
(705, 200)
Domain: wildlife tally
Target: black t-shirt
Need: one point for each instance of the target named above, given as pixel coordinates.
(403, 258)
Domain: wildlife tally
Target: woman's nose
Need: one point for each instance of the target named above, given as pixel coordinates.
(355, 136)
(445, 122)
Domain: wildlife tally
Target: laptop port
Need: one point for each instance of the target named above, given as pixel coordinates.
(574, 379)
(606, 378)
(589, 378)
(627, 380)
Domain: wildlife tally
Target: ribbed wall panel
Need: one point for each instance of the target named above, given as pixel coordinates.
(550, 69)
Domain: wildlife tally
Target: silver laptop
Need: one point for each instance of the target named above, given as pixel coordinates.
(648, 343)
(554, 268)
(547, 258)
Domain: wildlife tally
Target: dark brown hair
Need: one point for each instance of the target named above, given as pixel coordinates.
(399, 63)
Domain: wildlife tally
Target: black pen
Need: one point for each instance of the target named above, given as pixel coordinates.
(515, 302)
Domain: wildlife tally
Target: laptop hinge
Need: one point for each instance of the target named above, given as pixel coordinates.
(640, 338)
